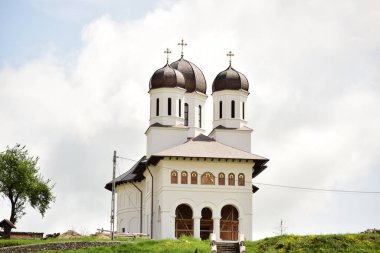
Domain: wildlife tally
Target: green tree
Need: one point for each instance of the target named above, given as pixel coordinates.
(21, 183)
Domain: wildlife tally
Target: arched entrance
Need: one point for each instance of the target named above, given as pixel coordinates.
(229, 223)
(184, 224)
(206, 223)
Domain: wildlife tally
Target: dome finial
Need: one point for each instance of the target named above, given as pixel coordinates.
(230, 54)
(182, 44)
(167, 52)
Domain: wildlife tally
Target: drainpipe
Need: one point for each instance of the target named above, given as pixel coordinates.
(141, 197)
(151, 216)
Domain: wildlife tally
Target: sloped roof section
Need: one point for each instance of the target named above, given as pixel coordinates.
(205, 147)
(135, 174)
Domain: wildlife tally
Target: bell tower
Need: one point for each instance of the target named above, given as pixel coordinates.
(230, 93)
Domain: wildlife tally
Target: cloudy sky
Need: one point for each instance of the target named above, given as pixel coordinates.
(74, 78)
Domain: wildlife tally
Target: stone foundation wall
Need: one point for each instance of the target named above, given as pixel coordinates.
(54, 246)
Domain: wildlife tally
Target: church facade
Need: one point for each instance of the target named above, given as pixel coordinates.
(190, 183)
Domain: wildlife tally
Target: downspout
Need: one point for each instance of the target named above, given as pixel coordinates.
(141, 197)
(151, 216)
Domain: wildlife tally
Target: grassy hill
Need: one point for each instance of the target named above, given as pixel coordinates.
(286, 243)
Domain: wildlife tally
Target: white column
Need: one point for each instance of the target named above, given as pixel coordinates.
(172, 227)
(197, 226)
(240, 228)
(217, 227)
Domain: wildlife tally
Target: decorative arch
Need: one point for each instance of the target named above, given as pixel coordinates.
(206, 223)
(241, 179)
(231, 179)
(194, 177)
(208, 178)
(221, 179)
(229, 223)
(174, 177)
(184, 224)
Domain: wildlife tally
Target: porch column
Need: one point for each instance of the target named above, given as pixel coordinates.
(217, 227)
(197, 226)
(240, 226)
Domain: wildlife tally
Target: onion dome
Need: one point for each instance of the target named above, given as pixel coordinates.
(194, 78)
(166, 77)
(230, 79)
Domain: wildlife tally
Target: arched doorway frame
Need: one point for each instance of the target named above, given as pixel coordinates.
(173, 209)
(239, 209)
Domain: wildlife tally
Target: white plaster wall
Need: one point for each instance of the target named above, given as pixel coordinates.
(128, 207)
(161, 138)
(163, 94)
(194, 100)
(226, 96)
(169, 196)
(240, 139)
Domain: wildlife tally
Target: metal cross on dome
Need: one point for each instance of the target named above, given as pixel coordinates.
(230, 54)
(167, 52)
(182, 44)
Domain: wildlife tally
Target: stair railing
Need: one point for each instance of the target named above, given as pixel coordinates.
(242, 243)
(213, 243)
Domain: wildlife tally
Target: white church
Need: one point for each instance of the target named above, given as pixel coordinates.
(190, 183)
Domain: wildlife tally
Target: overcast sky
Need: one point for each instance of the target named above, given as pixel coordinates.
(74, 77)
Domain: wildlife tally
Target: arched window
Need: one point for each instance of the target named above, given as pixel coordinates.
(157, 107)
(200, 116)
(186, 114)
(208, 178)
(233, 109)
(221, 179)
(231, 179)
(184, 177)
(220, 109)
(243, 107)
(194, 177)
(179, 107)
(241, 179)
(174, 177)
(169, 106)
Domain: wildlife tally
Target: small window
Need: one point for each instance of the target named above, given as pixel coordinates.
(241, 179)
(194, 177)
(220, 109)
(222, 179)
(186, 114)
(232, 109)
(169, 106)
(243, 107)
(231, 179)
(157, 107)
(200, 116)
(174, 177)
(179, 108)
(123, 230)
(184, 177)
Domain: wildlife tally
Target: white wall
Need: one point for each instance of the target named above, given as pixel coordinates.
(226, 96)
(161, 138)
(194, 100)
(240, 139)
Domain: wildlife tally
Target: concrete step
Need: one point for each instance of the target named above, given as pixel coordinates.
(227, 247)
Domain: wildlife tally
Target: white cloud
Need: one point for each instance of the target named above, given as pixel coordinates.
(313, 71)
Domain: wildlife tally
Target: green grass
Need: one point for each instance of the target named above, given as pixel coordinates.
(317, 243)
(16, 242)
(353, 243)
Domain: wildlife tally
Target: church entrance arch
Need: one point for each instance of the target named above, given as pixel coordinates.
(229, 223)
(184, 224)
(206, 223)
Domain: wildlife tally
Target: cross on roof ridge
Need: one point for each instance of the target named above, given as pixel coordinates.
(167, 52)
(182, 44)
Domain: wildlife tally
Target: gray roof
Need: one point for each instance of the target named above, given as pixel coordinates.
(132, 175)
(205, 147)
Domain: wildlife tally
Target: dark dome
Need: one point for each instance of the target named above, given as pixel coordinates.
(230, 79)
(194, 78)
(166, 77)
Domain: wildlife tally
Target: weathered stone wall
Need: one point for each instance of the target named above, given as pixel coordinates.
(54, 246)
